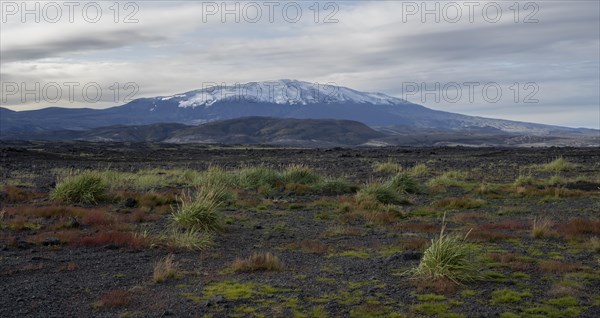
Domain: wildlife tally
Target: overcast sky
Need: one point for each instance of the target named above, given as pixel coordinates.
(547, 51)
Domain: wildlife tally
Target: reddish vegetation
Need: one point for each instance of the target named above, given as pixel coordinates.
(414, 244)
(467, 217)
(50, 211)
(116, 298)
(420, 227)
(484, 235)
(502, 257)
(505, 225)
(16, 195)
(578, 228)
(381, 218)
(558, 267)
(121, 239)
(98, 218)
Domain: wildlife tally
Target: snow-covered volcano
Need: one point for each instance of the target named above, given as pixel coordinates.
(281, 92)
(274, 99)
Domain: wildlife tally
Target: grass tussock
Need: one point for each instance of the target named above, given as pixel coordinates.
(85, 188)
(448, 257)
(453, 178)
(559, 164)
(300, 174)
(405, 183)
(259, 177)
(419, 170)
(372, 194)
(190, 239)
(200, 212)
(257, 262)
(165, 269)
(387, 167)
(542, 227)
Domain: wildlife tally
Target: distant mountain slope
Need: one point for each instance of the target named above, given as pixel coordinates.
(278, 99)
(265, 130)
(247, 130)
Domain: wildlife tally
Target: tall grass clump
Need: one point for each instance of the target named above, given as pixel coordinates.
(165, 269)
(419, 169)
(85, 188)
(200, 212)
(216, 176)
(300, 174)
(404, 183)
(557, 165)
(190, 239)
(387, 167)
(378, 192)
(524, 180)
(334, 186)
(448, 257)
(259, 177)
(451, 178)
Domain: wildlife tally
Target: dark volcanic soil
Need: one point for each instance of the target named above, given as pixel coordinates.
(356, 268)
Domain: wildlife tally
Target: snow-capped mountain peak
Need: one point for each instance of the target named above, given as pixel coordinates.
(284, 92)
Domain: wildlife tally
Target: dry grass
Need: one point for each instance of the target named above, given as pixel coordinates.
(119, 239)
(557, 267)
(414, 244)
(17, 195)
(165, 269)
(310, 246)
(542, 227)
(579, 228)
(459, 203)
(115, 299)
(98, 218)
(486, 235)
(257, 262)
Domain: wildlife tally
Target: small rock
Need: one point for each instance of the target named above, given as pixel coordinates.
(167, 313)
(404, 256)
(258, 227)
(130, 203)
(50, 241)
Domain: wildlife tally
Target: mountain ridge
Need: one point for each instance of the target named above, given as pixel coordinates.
(279, 99)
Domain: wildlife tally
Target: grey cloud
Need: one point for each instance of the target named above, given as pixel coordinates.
(78, 43)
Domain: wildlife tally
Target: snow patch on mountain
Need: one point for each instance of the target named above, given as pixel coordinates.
(282, 92)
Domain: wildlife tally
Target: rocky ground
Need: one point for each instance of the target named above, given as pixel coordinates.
(338, 258)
